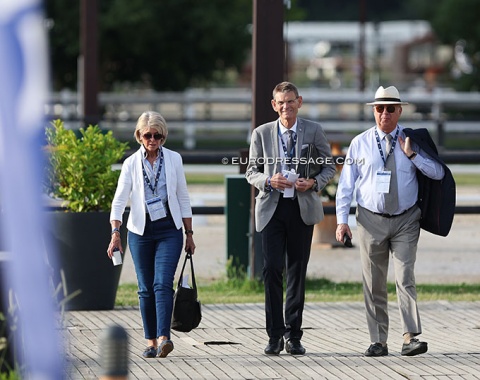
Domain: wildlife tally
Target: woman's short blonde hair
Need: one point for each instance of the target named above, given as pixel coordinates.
(151, 119)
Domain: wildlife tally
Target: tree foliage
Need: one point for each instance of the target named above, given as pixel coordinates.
(174, 44)
(455, 23)
(350, 10)
(167, 44)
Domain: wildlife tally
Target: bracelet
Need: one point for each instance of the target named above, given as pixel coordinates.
(116, 230)
(188, 232)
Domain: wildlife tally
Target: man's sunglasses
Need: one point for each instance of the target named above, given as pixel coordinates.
(156, 136)
(390, 109)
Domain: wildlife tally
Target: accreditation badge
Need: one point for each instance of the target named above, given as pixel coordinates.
(156, 209)
(382, 183)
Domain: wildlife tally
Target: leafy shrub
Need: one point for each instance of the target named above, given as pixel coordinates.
(80, 168)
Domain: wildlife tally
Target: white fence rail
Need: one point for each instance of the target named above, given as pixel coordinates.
(196, 110)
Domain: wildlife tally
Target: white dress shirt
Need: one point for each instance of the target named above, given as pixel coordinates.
(362, 163)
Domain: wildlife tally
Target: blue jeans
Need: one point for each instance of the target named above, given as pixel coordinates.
(155, 256)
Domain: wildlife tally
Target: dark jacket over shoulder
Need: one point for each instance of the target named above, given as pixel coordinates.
(436, 198)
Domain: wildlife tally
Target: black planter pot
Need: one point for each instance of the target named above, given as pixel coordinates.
(82, 240)
(7, 362)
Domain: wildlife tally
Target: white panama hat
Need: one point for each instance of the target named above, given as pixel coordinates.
(389, 95)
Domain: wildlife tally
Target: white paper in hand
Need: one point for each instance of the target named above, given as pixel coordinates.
(290, 191)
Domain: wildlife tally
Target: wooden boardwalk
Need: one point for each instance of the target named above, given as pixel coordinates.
(230, 340)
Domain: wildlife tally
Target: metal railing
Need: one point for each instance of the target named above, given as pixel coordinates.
(229, 110)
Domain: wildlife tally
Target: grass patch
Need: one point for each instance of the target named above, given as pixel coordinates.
(127, 295)
(219, 179)
(205, 178)
(467, 179)
(317, 290)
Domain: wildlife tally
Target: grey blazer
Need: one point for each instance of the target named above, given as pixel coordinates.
(264, 144)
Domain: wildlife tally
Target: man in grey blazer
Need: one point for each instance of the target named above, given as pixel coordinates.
(286, 211)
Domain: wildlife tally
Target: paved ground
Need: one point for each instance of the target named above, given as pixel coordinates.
(230, 340)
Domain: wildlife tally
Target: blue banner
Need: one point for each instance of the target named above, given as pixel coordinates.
(23, 90)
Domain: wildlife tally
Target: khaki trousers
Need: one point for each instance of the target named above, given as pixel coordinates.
(378, 238)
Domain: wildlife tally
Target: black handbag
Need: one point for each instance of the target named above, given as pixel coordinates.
(310, 162)
(187, 309)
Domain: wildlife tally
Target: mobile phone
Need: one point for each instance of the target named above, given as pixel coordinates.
(347, 242)
(117, 257)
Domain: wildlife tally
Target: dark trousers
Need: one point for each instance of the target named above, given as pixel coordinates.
(286, 243)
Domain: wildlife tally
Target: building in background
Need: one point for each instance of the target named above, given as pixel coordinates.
(327, 54)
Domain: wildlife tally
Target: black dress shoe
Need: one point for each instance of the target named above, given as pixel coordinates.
(376, 349)
(274, 346)
(294, 347)
(415, 347)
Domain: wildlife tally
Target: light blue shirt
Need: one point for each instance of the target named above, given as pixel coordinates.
(362, 163)
(283, 136)
(151, 171)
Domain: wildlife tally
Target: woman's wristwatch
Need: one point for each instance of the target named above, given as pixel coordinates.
(188, 232)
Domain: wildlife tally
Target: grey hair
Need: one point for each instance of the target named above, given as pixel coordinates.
(285, 87)
(151, 119)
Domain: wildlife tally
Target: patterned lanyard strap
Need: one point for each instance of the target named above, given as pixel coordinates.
(147, 180)
(394, 142)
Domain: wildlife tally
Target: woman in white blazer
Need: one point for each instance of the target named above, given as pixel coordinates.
(153, 181)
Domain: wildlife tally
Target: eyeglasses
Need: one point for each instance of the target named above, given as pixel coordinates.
(288, 102)
(390, 109)
(156, 136)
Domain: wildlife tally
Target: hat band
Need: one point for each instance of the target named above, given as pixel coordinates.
(387, 100)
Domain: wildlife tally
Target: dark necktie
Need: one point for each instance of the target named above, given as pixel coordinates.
(391, 198)
(289, 147)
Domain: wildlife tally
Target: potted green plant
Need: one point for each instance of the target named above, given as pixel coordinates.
(81, 177)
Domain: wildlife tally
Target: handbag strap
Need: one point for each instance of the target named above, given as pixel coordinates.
(194, 284)
(188, 256)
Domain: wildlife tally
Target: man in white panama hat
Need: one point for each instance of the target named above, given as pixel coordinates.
(383, 177)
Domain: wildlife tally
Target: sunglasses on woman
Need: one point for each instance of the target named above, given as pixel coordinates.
(390, 109)
(156, 136)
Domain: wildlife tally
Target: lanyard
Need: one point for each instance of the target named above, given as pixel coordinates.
(147, 180)
(292, 152)
(394, 142)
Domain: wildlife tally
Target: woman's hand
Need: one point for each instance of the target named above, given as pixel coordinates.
(114, 243)
(189, 244)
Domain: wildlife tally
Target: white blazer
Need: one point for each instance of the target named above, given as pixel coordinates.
(131, 188)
